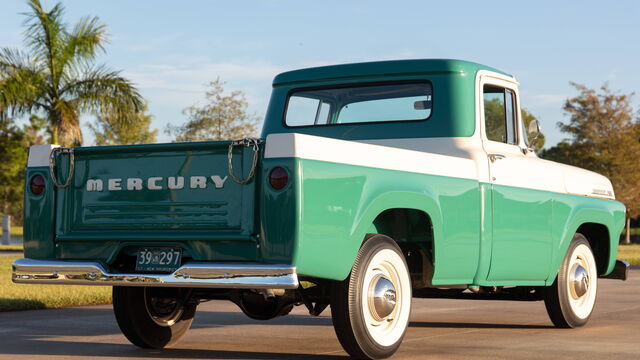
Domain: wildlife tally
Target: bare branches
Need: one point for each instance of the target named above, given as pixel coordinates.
(224, 116)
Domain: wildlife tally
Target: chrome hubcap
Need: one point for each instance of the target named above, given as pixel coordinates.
(578, 281)
(382, 295)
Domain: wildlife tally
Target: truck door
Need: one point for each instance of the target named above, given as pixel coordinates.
(521, 189)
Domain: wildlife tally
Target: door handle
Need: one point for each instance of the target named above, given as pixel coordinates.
(496, 157)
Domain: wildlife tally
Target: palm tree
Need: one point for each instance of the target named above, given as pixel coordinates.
(57, 77)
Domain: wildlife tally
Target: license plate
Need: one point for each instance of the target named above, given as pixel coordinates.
(158, 259)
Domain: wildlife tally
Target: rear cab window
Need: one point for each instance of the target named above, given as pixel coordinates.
(359, 104)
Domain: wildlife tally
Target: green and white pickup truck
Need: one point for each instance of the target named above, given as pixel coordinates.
(371, 184)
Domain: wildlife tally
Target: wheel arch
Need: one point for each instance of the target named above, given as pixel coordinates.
(601, 225)
(413, 231)
(374, 218)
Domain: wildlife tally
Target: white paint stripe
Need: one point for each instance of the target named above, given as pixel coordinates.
(361, 154)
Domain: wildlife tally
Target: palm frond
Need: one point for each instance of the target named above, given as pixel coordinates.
(45, 34)
(22, 82)
(101, 88)
(82, 44)
(14, 60)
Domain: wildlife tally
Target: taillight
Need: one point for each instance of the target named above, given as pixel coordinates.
(37, 184)
(278, 178)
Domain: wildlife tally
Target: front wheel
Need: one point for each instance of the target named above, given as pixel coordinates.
(152, 318)
(572, 297)
(370, 309)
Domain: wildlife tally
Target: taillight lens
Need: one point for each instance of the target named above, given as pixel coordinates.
(37, 185)
(278, 178)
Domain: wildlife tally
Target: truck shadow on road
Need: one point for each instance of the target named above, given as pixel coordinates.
(91, 332)
(46, 348)
(448, 325)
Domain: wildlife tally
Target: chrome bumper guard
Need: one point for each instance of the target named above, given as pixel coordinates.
(620, 271)
(192, 274)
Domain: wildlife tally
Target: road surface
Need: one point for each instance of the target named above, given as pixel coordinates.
(440, 329)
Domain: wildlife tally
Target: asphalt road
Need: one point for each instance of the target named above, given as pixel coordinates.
(440, 329)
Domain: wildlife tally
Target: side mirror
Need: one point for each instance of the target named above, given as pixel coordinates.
(533, 130)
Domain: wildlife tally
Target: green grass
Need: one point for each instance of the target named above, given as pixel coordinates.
(630, 253)
(634, 231)
(11, 248)
(15, 231)
(30, 297)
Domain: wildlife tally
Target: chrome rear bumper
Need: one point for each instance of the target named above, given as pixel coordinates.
(200, 275)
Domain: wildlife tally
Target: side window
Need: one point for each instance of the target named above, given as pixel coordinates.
(301, 110)
(499, 114)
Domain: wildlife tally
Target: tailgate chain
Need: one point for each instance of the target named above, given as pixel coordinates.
(52, 165)
(246, 142)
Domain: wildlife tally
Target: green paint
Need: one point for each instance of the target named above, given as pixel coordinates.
(394, 68)
(38, 217)
(475, 233)
(521, 234)
(453, 113)
(163, 213)
(340, 202)
(320, 219)
(478, 235)
(279, 213)
(571, 211)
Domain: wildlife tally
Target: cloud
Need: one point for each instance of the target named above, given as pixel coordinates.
(171, 87)
(179, 82)
(184, 84)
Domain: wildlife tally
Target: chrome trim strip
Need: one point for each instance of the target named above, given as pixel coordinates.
(192, 274)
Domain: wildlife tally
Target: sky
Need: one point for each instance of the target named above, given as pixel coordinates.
(171, 49)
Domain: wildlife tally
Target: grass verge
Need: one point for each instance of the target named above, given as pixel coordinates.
(17, 231)
(11, 248)
(30, 297)
(630, 253)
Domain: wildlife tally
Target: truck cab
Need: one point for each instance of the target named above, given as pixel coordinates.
(370, 184)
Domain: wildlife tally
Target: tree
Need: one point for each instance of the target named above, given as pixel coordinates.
(605, 138)
(57, 76)
(13, 157)
(538, 142)
(495, 114)
(133, 128)
(34, 131)
(223, 117)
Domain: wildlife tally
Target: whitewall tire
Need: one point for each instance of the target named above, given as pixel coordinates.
(571, 299)
(371, 308)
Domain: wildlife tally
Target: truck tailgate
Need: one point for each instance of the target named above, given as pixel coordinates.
(160, 191)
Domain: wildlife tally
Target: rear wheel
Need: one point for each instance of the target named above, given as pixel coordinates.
(572, 297)
(152, 318)
(370, 309)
